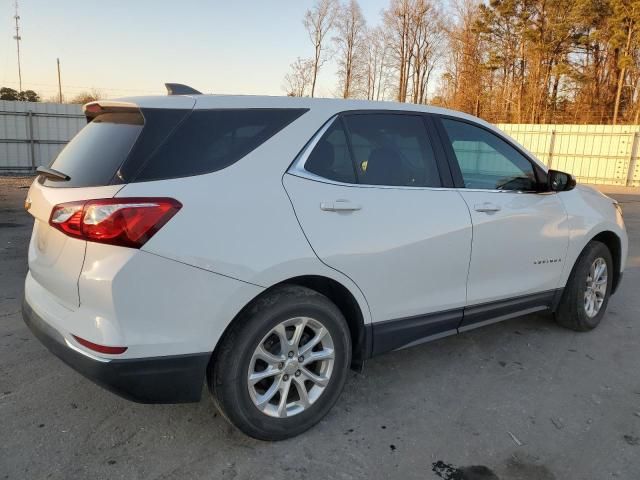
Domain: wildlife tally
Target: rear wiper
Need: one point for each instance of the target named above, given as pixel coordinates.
(52, 174)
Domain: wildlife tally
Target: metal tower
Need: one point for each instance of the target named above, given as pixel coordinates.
(17, 38)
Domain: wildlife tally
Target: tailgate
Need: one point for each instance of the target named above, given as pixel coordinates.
(55, 259)
(93, 164)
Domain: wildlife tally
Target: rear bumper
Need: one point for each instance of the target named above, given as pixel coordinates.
(170, 379)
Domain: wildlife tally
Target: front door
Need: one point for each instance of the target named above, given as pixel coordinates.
(520, 233)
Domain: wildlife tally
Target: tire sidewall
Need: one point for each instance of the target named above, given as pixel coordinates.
(582, 270)
(230, 382)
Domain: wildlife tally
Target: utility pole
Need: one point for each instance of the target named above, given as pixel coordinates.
(59, 83)
(17, 38)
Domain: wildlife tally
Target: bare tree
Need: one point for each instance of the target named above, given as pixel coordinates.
(351, 48)
(629, 19)
(378, 74)
(298, 80)
(428, 35)
(463, 78)
(87, 96)
(318, 21)
(415, 34)
(397, 22)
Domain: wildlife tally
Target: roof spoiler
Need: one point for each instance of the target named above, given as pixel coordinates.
(98, 107)
(180, 89)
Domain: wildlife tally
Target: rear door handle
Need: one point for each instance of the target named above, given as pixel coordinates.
(339, 206)
(487, 207)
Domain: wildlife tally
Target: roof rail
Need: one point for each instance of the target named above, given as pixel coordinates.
(180, 89)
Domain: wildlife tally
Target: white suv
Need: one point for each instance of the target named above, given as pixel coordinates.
(268, 244)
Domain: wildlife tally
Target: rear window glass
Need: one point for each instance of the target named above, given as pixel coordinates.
(96, 152)
(210, 140)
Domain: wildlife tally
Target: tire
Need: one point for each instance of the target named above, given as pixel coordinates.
(261, 324)
(572, 312)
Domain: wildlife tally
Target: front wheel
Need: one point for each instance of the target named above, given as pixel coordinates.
(587, 292)
(283, 363)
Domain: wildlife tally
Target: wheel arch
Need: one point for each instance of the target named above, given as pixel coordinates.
(342, 297)
(614, 244)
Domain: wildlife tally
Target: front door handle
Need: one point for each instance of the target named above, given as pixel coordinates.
(339, 206)
(487, 207)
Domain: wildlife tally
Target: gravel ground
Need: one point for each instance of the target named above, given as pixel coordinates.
(520, 400)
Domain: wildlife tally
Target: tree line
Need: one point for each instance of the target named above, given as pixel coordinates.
(512, 61)
(7, 93)
(81, 98)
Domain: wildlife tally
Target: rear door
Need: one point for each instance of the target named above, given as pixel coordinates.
(367, 194)
(91, 160)
(520, 231)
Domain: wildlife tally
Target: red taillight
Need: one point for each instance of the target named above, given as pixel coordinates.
(67, 218)
(100, 348)
(127, 222)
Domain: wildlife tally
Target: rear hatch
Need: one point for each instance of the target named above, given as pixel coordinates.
(93, 162)
(124, 145)
(55, 259)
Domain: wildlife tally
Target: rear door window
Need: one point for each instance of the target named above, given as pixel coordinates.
(210, 140)
(392, 149)
(98, 150)
(376, 149)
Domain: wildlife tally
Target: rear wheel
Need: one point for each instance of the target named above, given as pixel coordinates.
(283, 363)
(585, 298)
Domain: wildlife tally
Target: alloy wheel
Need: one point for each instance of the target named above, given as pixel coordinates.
(596, 287)
(291, 367)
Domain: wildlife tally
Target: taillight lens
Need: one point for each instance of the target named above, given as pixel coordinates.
(67, 217)
(99, 348)
(127, 222)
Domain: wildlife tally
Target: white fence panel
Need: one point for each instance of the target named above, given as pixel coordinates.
(32, 134)
(602, 154)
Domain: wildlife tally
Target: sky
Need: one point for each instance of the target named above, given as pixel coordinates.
(133, 47)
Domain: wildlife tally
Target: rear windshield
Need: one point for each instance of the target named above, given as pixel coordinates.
(160, 144)
(96, 152)
(210, 140)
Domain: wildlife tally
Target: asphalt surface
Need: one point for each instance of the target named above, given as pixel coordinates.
(524, 399)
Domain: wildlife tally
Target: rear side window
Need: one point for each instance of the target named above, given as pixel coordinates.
(376, 149)
(96, 152)
(392, 149)
(210, 140)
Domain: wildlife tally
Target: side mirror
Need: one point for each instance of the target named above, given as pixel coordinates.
(560, 181)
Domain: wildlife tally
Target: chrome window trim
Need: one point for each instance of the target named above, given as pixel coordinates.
(316, 178)
(297, 169)
(301, 173)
